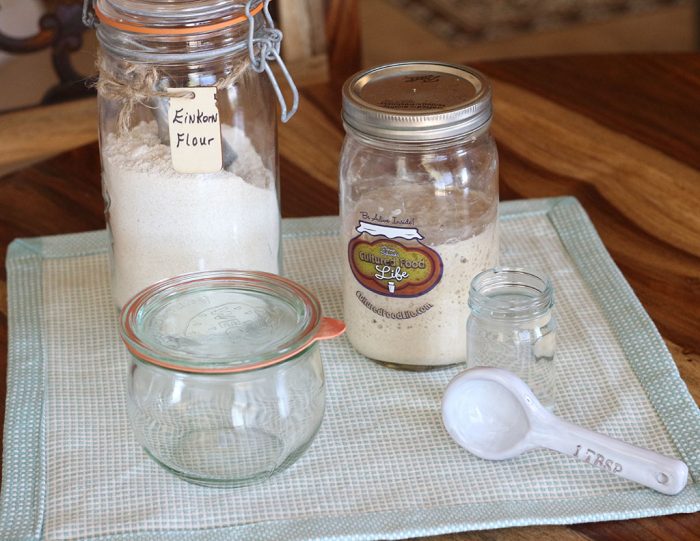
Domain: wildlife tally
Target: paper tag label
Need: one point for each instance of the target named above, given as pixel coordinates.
(195, 130)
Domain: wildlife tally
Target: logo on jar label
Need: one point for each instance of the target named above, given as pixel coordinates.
(392, 261)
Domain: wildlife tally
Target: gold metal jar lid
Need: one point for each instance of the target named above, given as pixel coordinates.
(417, 101)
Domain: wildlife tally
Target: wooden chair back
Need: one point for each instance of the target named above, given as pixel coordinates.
(61, 30)
(322, 41)
(321, 44)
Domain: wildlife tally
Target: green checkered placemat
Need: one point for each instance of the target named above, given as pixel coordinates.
(382, 466)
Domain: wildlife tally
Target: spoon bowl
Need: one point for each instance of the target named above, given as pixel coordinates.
(486, 418)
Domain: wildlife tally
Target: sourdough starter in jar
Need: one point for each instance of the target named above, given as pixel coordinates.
(419, 207)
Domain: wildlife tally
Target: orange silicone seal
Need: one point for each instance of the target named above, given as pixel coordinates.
(139, 29)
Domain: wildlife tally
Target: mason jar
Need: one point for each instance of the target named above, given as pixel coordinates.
(512, 326)
(225, 383)
(419, 209)
(188, 137)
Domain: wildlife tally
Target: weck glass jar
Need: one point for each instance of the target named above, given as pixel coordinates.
(512, 326)
(188, 137)
(419, 209)
(225, 384)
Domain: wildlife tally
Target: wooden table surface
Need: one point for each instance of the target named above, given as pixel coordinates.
(619, 132)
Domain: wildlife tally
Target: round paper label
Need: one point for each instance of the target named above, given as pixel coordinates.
(393, 268)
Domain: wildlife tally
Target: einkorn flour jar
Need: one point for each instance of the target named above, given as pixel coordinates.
(188, 137)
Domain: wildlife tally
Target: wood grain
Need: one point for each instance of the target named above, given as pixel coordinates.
(303, 24)
(312, 144)
(626, 186)
(36, 134)
(321, 39)
(344, 38)
(628, 94)
(541, 533)
(304, 45)
(618, 132)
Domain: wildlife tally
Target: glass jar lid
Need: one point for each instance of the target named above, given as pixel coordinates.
(171, 16)
(417, 101)
(223, 321)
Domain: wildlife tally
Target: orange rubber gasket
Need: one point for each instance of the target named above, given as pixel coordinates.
(176, 30)
(129, 312)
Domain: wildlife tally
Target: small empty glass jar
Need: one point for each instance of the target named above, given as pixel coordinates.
(225, 385)
(512, 326)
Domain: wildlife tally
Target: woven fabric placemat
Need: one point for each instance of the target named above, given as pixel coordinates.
(381, 466)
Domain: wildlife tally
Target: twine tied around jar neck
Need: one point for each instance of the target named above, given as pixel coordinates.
(263, 46)
(140, 85)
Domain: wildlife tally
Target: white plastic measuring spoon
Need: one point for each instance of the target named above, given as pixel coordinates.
(494, 415)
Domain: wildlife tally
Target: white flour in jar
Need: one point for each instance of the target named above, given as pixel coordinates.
(164, 223)
(430, 329)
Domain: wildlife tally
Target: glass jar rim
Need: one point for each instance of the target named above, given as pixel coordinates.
(418, 146)
(200, 17)
(141, 310)
(484, 293)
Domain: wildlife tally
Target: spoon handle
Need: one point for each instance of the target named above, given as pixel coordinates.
(662, 473)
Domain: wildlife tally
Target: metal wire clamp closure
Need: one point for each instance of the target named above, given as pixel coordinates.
(267, 43)
(88, 14)
(269, 49)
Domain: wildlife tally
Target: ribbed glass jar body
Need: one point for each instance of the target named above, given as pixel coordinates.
(163, 222)
(512, 326)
